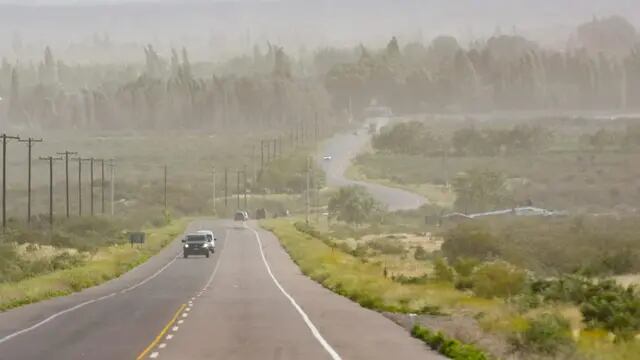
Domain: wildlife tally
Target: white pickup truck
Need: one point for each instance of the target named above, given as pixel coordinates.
(211, 239)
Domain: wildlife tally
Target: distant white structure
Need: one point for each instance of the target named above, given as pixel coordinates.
(518, 211)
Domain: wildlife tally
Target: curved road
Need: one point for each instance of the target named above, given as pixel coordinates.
(249, 301)
(343, 148)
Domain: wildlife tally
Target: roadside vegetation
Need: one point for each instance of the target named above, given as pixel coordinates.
(507, 285)
(51, 269)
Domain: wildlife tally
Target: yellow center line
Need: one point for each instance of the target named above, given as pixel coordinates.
(164, 331)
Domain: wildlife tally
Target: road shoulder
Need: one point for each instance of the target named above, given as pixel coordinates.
(355, 332)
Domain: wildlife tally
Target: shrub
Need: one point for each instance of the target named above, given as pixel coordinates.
(443, 272)
(498, 279)
(387, 246)
(545, 334)
(353, 204)
(446, 346)
(612, 307)
(464, 266)
(463, 283)
(421, 254)
(470, 240)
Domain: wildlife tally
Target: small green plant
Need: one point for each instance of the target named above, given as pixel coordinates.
(498, 279)
(464, 266)
(446, 346)
(443, 272)
(547, 334)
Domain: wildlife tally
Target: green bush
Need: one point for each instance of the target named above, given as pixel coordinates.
(354, 205)
(442, 270)
(612, 307)
(464, 266)
(463, 283)
(546, 334)
(470, 240)
(498, 279)
(448, 347)
(420, 254)
(387, 246)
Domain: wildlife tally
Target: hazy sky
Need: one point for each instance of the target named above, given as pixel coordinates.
(226, 27)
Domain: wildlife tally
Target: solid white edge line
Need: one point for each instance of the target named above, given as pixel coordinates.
(83, 304)
(104, 297)
(316, 333)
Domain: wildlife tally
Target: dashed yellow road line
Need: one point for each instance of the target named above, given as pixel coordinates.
(164, 331)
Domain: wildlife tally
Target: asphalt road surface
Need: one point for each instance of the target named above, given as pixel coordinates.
(343, 148)
(249, 301)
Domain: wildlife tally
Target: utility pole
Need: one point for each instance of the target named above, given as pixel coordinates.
(307, 193)
(275, 153)
(66, 171)
(261, 155)
(112, 167)
(244, 177)
(29, 142)
(50, 159)
(253, 163)
(226, 183)
(102, 185)
(165, 188)
(91, 162)
(4, 178)
(317, 129)
(266, 143)
(80, 160)
(214, 190)
(238, 189)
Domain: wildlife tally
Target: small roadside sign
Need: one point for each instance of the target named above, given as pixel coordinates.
(136, 238)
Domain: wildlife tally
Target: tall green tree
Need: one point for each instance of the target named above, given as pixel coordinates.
(353, 204)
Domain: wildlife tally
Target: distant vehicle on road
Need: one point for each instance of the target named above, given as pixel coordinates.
(261, 214)
(211, 239)
(327, 157)
(195, 244)
(241, 216)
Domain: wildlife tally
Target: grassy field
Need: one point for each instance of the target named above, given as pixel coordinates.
(436, 194)
(366, 280)
(106, 264)
(566, 181)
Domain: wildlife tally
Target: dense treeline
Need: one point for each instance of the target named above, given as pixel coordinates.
(415, 138)
(161, 95)
(600, 70)
(505, 72)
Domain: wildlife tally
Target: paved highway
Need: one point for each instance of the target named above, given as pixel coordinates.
(249, 301)
(343, 148)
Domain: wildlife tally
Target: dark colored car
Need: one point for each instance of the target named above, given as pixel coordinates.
(261, 214)
(195, 244)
